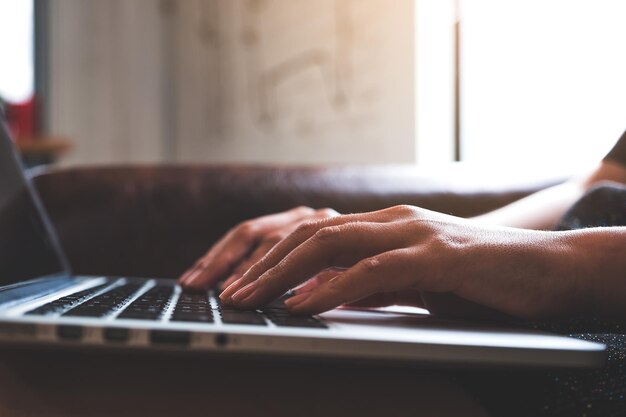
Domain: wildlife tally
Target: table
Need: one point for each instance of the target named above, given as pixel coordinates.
(42, 150)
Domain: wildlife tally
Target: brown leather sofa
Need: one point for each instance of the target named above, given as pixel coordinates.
(154, 221)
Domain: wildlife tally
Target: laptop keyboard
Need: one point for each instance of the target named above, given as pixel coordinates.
(150, 305)
(63, 304)
(193, 307)
(105, 303)
(125, 302)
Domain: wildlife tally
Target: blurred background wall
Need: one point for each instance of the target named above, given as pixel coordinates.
(485, 82)
(287, 81)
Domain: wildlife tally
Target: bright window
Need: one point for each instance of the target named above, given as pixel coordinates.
(16, 50)
(542, 79)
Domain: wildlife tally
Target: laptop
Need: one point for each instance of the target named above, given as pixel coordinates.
(42, 303)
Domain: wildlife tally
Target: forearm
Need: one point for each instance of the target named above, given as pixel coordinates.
(543, 210)
(540, 211)
(542, 274)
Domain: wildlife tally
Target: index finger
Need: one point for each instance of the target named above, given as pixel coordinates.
(235, 245)
(303, 233)
(395, 270)
(336, 246)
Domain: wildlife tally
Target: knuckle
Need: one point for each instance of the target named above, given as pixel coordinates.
(370, 265)
(438, 244)
(326, 212)
(443, 244)
(405, 209)
(277, 269)
(327, 233)
(203, 261)
(303, 210)
(246, 229)
(258, 267)
(421, 226)
(274, 237)
(307, 227)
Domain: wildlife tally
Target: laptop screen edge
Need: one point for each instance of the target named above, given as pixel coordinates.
(65, 267)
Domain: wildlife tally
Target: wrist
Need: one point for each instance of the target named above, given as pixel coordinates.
(599, 262)
(529, 274)
(554, 265)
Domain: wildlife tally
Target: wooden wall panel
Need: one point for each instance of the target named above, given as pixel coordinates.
(288, 81)
(105, 79)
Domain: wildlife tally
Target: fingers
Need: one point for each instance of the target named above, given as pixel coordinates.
(270, 240)
(317, 280)
(404, 298)
(254, 257)
(388, 272)
(220, 258)
(235, 245)
(326, 248)
(304, 232)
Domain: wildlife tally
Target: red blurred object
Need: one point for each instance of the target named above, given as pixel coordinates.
(21, 119)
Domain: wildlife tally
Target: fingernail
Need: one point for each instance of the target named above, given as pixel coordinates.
(297, 299)
(244, 292)
(191, 276)
(232, 288)
(183, 280)
(186, 274)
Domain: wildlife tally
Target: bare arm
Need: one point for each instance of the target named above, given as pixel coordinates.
(401, 250)
(404, 255)
(542, 210)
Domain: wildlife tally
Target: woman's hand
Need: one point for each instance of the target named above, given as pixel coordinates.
(403, 251)
(245, 245)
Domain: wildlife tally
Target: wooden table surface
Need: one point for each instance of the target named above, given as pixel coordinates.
(109, 383)
(43, 145)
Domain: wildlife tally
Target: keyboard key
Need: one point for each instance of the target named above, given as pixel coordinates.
(278, 315)
(243, 317)
(297, 321)
(193, 307)
(62, 304)
(106, 303)
(150, 305)
(192, 317)
(275, 312)
(87, 312)
(277, 305)
(138, 315)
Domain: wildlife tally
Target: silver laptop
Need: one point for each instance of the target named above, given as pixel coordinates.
(41, 302)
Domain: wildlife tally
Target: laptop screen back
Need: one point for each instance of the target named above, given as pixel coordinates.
(27, 243)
